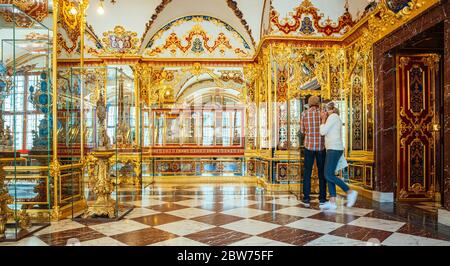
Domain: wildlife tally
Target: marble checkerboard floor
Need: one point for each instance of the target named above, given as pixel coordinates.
(235, 215)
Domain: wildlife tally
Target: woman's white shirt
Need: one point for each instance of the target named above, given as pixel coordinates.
(332, 130)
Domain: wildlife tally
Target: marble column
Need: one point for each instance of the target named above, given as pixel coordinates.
(446, 122)
(385, 121)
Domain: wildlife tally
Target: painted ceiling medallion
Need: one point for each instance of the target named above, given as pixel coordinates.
(119, 42)
(307, 18)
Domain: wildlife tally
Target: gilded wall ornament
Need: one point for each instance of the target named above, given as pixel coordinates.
(195, 41)
(119, 42)
(391, 14)
(38, 10)
(70, 23)
(303, 25)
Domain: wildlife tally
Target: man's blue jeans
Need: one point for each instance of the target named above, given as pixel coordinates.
(331, 162)
(319, 157)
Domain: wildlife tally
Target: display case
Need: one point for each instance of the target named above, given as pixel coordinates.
(25, 125)
(128, 136)
(95, 91)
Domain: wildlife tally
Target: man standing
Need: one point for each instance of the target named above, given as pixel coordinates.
(314, 150)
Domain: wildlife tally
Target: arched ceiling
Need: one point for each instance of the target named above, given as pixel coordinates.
(248, 20)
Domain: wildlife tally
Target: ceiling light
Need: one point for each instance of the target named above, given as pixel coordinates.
(100, 8)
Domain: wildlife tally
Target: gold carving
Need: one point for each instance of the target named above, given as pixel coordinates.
(70, 22)
(432, 61)
(22, 217)
(384, 21)
(417, 188)
(100, 184)
(404, 61)
(119, 42)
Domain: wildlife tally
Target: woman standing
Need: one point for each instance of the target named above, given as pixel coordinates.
(331, 128)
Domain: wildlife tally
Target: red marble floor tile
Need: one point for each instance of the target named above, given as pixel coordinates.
(361, 233)
(291, 236)
(93, 221)
(144, 237)
(217, 219)
(131, 198)
(334, 217)
(216, 207)
(266, 206)
(157, 219)
(167, 207)
(60, 238)
(218, 236)
(276, 218)
(411, 229)
(384, 216)
(174, 198)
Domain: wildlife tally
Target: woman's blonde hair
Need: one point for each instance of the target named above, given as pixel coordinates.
(331, 106)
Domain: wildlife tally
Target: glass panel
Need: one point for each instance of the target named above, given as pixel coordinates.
(25, 124)
(208, 128)
(226, 128)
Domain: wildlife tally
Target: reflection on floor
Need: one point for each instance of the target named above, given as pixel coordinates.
(189, 215)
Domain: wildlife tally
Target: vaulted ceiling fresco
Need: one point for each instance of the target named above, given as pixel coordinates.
(213, 29)
(192, 29)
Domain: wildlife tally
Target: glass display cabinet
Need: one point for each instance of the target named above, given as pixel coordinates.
(95, 93)
(128, 137)
(25, 125)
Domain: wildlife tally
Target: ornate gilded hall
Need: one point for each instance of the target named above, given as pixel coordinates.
(182, 122)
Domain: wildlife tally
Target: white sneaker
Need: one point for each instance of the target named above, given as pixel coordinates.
(328, 206)
(305, 204)
(351, 198)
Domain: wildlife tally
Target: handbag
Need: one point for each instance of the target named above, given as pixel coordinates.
(342, 163)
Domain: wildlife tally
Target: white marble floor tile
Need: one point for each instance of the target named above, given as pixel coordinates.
(398, 239)
(189, 213)
(375, 223)
(119, 227)
(104, 241)
(193, 202)
(179, 241)
(288, 200)
(330, 240)
(139, 212)
(184, 227)
(296, 211)
(66, 224)
(351, 211)
(259, 241)
(29, 241)
(251, 227)
(314, 225)
(146, 202)
(237, 202)
(244, 212)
